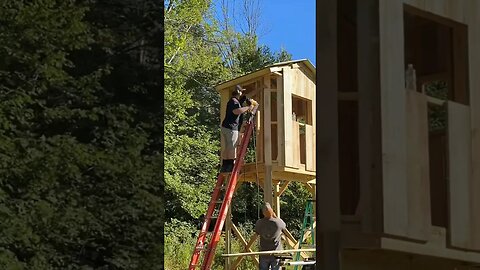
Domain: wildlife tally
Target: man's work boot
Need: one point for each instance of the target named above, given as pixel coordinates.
(227, 165)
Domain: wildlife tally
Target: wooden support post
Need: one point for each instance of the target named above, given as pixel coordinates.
(283, 188)
(369, 121)
(228, 237)
(474, 101)
(267, 141)
(293, 243)
(311, 188)
(247, 247)
(280, 120)
(289, 239)
(277, 198)
(328, 194)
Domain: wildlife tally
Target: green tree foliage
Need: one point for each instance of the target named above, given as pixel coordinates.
(200, 52)
(80, 121)
(192, 67)
(252, 56)
(195, 61)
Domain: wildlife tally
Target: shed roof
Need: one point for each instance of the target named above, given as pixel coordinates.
(264, 71)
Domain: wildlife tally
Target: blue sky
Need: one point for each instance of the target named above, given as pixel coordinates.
(288, 24)
(291, 25)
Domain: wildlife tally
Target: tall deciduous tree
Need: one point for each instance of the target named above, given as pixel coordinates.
(80, 121)
(192, 68)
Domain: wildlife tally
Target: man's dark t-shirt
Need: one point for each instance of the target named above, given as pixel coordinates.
(270, 231)
(231, 120)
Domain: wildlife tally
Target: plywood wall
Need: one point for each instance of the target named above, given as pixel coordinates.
(418, 173)
(395, 126)
(460, 167)
(382, 260)
(297, 81)
(452, 9)
(472, 17)
(304, 86)
(292, 151)
(288, 85)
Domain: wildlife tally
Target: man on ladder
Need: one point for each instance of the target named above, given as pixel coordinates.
(204, 251)
(231, 125)
(270, 228)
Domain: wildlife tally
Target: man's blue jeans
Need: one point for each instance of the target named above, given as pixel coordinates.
(269, 263)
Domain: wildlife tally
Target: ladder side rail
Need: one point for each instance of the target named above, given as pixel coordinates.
(206, 223)
(302, 232)
(229, 193)
(306, 226)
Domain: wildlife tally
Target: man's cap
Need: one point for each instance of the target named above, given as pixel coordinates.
(239, 88)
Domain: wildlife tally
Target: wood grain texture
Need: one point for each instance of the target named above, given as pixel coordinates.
(393, 98)
(451, 9)
(295, 142)
(310, 151)
(459, 148)
(369, 119)
(287, 116)
(472, 13)
(418, 166)
(303, 86)
(438, 7)
(267, 119)
(416, 3)
(327, 188)
(280, 119)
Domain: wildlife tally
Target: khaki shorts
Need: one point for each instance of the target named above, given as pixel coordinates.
(230, 138)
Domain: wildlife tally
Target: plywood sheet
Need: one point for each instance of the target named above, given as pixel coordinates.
(288, 75)
(456, 10)
(280, 121)
(472, 14)
(459, 148)
(416, 3)
(393, 105)
(451, 9)
(310, 143)
(267, 131)
(418, 166)
(295, 154)
(303, 86)
(438, 7)
(370, 205)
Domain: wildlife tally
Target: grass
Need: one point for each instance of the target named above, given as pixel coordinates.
(180, 240)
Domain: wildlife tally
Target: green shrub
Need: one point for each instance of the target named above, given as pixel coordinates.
(179, 244)
(180, 238)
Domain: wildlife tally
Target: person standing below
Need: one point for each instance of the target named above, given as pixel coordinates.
(270, 228)
(231, 125)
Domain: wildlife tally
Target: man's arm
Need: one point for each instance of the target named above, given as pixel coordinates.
(241, 110)
(284, 225)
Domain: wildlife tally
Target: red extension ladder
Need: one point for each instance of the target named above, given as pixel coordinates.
(203, 244)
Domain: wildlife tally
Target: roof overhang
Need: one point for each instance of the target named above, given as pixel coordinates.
(264, 71)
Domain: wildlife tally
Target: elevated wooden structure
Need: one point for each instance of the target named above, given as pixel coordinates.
(285, 134)
(285, 144)
(406, 183)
